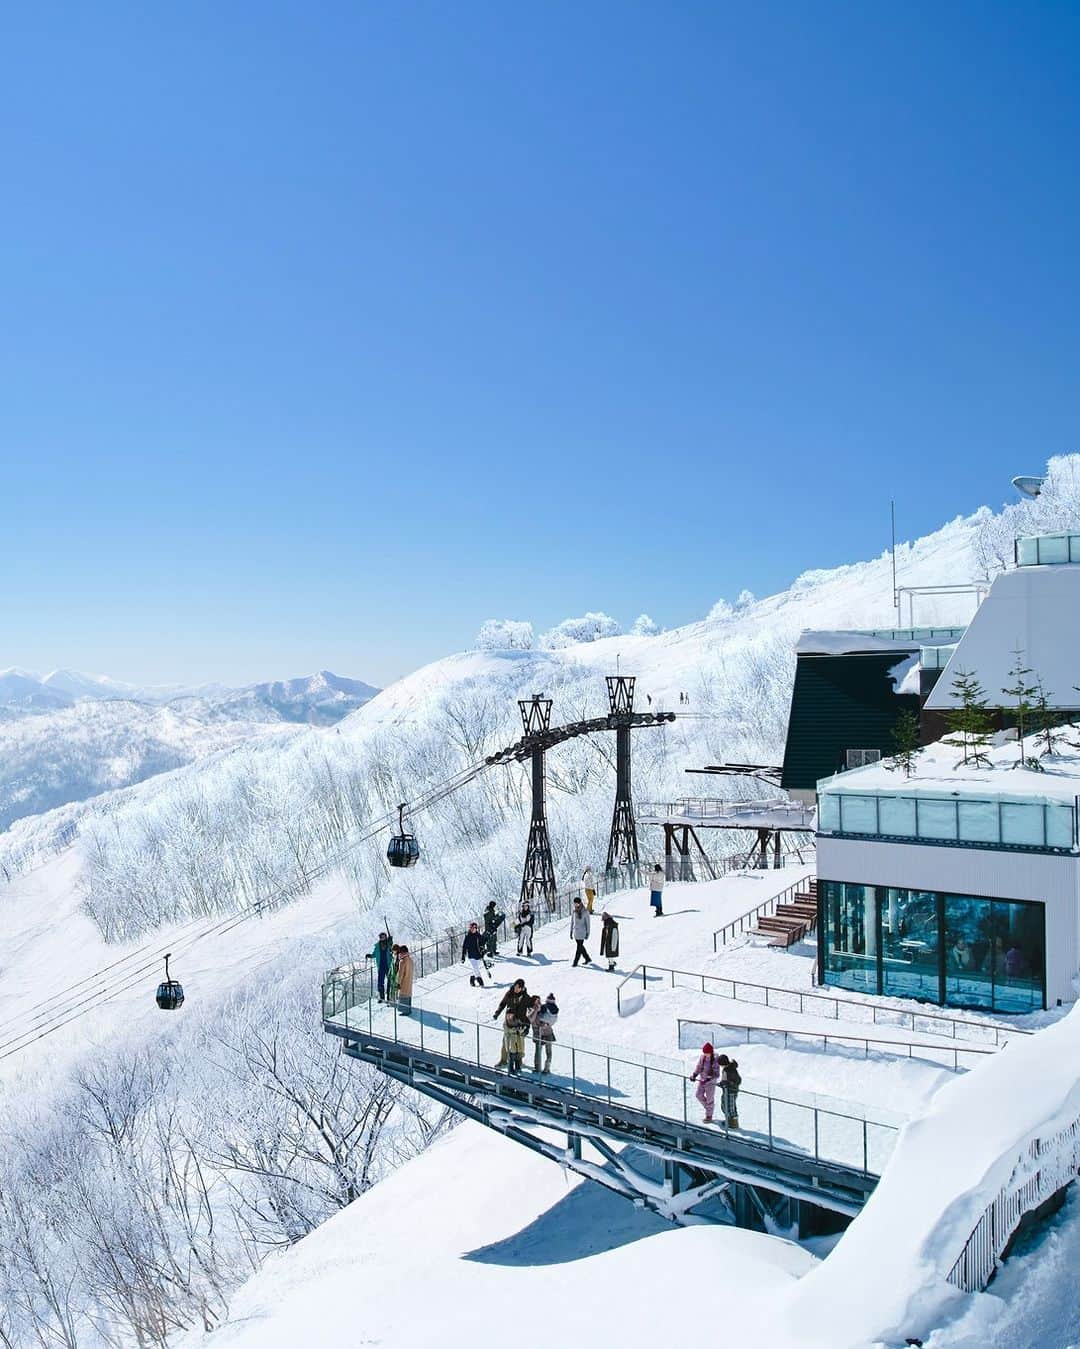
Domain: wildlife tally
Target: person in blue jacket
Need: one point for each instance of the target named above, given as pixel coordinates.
(382, 953)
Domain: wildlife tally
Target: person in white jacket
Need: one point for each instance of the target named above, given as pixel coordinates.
(588, 884)
(580, 927)
(656, 886)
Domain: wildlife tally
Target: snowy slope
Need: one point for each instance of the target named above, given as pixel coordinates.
(155, 860)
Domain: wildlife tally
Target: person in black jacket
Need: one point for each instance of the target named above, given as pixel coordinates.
(730, 1082)
(493, 920)
(609, 940)
(472, 950)
(515, 1003)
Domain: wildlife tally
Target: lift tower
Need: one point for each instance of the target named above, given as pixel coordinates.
(538, 877)
(623, 844)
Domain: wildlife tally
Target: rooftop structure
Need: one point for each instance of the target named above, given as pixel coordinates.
(1033, 609)
(960, 884)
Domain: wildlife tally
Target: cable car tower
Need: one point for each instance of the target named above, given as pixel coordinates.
(538, 875)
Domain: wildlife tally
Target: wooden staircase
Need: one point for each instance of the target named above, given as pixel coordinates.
(793, 920)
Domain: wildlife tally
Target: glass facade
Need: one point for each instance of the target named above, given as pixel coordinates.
(1041, 550)
(957, 950)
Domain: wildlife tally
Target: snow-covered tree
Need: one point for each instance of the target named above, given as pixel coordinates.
(721, 609)
(643, 626)
(505, 634)
(589, 627)
(746, 598)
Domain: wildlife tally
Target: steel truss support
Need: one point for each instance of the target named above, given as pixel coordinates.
(623, 843)
(538, 875)
(678, 862)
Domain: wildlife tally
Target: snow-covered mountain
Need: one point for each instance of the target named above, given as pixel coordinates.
(175, 863)
(321, 698)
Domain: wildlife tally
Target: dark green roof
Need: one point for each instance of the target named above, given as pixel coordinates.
(840, 703)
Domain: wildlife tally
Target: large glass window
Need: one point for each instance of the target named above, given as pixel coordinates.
(910, 958)
(850, 934)
(959, 950)
(969, 977)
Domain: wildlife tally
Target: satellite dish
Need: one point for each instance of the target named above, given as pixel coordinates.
(1030, 487)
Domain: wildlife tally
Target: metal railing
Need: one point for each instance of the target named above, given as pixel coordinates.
(1045, 1166)
(737, 926)
(1040, 550)
(692, 1033)
(800, 1124)
(349, 985)
(825, 1005)
(715, 808)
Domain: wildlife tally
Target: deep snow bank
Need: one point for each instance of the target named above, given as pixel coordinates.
(886, 1278)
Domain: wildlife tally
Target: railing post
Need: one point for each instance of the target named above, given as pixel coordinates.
(816, 1157)
(573, 1070)
(865, 1151)
(769, 1099)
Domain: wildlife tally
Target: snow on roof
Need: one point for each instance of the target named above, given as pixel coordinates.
(858, 641)
(1035, 609)
(938, 772)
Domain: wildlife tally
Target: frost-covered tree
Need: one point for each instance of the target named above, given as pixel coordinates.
(746, 598)
(643, 626)
(721, 610)
(589, 627)
(505, 634)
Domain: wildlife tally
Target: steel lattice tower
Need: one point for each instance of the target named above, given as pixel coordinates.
(623, 844)
(538, 877)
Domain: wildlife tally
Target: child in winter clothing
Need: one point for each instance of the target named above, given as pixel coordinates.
(542, 1018)
(609, 940)
(706, 1075)
(730, 1082)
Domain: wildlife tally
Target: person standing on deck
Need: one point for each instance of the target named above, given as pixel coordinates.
(515, 1002)
(609, 940)
(542, 1018)
(382, 954)
(730, 1082)
(706, 1075)
(588, 884)
(656, 886)
(472, 950)
(580, 927)
(493, 920)
(392, 974)
(524, 928)
(405, 972)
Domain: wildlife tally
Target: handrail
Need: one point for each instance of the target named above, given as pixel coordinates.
(723, 935)
(1044, 1167)
(651, 1083)
(812, 1004)
(903, 1049)
(443, 952)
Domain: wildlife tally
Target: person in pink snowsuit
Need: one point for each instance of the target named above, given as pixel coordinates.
(706, 1075)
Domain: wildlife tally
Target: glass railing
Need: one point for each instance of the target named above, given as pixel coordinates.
(936, 657)
(926, 635)
(803, 1124)
(1041, 550)
(1034, 824)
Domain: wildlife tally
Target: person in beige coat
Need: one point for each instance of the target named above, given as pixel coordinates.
(406, 970)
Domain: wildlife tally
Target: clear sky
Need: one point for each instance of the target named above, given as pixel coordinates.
(329, 330)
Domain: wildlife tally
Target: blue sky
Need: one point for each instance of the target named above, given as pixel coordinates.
(332, 329)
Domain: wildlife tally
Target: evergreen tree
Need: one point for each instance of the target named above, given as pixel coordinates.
(969, 724)
(1022, 692)
(906, 738)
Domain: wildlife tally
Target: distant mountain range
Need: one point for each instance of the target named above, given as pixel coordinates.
(320, 699)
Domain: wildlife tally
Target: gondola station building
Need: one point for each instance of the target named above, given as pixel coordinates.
(960, 884)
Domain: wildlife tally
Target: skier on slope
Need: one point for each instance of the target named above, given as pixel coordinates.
(472, 950)
(706, 1075)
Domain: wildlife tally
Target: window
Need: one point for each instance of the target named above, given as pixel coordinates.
(859, 758)
(957, 950)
